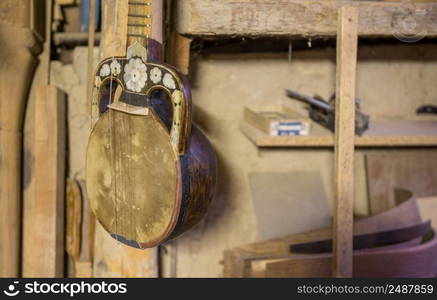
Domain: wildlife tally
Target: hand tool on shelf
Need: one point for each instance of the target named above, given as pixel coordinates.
(323, 112)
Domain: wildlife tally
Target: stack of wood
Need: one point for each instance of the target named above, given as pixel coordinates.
(396, 243)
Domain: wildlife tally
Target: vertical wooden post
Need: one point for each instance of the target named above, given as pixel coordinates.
(344, 140)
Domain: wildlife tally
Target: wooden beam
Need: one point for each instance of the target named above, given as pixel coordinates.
(212, 18)
(344, 140)
(383, 133)
(179, 53)
(43, 218)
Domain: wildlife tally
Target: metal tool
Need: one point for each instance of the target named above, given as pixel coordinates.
(427, 109)
(323, 112)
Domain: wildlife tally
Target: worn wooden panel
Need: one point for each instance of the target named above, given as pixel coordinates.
(43, 223)
(301, 18)
(344, 140)
(413, 170)
(382, 133)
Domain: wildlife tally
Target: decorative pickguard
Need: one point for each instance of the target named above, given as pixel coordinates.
(137, 76)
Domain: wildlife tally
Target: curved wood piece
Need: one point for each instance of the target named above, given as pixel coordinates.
(369, 240)
(257, 267)
(415, 261)
(18, 47)
(406, 214)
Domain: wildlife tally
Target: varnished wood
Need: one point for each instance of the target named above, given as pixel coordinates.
(180, 52)
(344, 141)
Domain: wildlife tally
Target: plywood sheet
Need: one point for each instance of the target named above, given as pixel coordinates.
(289, 202)
(414, 170)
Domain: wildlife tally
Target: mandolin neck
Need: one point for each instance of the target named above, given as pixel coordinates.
(145, 24)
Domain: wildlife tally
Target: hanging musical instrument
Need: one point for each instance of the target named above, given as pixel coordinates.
(150, 172)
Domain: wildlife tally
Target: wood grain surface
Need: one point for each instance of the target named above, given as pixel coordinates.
(298, 17)
(347, 43)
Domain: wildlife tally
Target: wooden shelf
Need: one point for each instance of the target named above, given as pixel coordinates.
(383, 133)
(216, 19)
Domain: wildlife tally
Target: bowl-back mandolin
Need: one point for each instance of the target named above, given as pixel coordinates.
(150, 172)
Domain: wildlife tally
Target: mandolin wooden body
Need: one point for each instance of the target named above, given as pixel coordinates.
(151, 173)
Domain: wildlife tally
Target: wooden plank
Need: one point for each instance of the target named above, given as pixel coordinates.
(406, 214)
(413, 170)
(18, 46)
(180, 53)
(344, 141)
(112, 259)
(43, 222)
(211, 18)
(383, 133)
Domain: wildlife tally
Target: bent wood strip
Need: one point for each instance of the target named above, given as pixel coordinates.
(344, 136)
(256, 267)
(365, 241)
(406, 214)
(415, 261)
